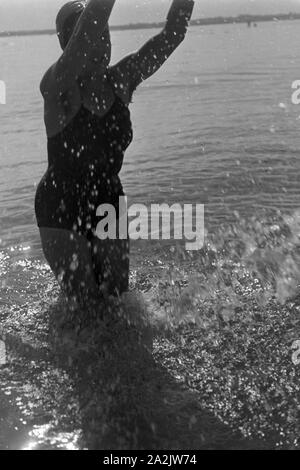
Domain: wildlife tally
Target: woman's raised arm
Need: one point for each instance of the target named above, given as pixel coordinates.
(140, 65)
(87, 35)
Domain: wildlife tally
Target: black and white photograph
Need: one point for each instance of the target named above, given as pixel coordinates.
(149, 228)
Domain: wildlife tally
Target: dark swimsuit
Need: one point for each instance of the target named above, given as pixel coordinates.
(84, 161)
(85, 158)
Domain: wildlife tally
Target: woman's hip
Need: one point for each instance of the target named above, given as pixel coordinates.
(74, 206)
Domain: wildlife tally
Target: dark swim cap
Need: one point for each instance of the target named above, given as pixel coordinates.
(66, 20)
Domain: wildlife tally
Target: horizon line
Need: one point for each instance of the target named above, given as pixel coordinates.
(217, 20)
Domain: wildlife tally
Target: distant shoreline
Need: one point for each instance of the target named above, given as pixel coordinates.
(248, 19)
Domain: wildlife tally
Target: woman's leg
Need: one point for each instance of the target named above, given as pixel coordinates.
(88, 272)
(111, 265)
(69, 257)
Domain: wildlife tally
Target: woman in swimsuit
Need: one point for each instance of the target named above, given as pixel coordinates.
(88, 130)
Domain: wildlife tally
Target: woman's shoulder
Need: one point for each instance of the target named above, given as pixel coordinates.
(51, 85)
(44, 83)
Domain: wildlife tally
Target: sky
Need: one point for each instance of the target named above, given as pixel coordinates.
(40, 14)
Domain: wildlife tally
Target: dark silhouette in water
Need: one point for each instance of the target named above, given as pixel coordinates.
(88, 130)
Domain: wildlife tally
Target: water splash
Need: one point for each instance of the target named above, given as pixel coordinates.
(254, 258)
(234, 305)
